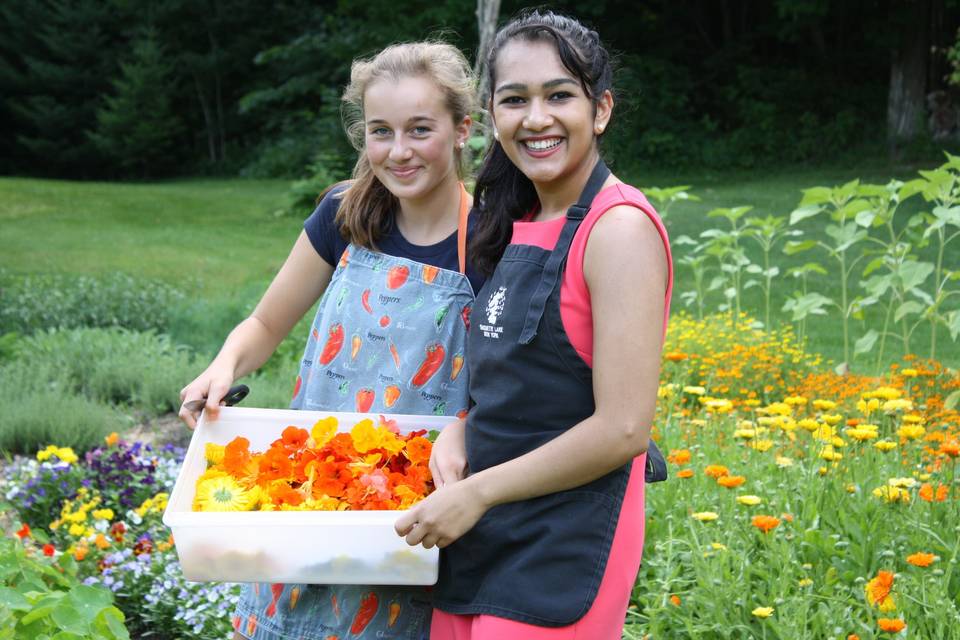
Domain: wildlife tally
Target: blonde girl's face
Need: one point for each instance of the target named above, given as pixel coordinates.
(411, 138)
(546, 123)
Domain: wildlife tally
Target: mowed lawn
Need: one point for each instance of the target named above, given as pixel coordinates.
(218, 239)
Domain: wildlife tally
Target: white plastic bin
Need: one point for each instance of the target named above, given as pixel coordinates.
(320, 547)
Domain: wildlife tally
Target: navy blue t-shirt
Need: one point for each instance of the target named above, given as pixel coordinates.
(321, 228)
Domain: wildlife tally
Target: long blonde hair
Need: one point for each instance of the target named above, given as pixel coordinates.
(364, 213)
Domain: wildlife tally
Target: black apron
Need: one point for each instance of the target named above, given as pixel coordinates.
(537, 561)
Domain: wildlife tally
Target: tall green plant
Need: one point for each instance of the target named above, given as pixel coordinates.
(767, 233)
(731, 257)
(843, 204)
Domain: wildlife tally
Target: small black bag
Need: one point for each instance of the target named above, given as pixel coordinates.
(656, 469)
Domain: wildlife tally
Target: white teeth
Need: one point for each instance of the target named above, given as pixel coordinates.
(541, 145)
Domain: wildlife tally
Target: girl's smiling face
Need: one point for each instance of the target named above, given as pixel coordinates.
(547, 124)
(410, 136)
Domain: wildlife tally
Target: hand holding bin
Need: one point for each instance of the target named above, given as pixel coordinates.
(319, 547)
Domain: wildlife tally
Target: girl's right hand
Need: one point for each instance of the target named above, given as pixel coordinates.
(211, 385)
(448, 460)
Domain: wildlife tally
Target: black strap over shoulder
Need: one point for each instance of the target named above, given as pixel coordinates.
(551, 270)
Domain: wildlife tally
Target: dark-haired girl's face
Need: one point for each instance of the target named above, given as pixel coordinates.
(546, 123)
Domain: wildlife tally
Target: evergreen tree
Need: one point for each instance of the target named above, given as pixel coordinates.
(137, 126)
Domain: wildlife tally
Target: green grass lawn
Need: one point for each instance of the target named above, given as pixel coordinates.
(220, 240)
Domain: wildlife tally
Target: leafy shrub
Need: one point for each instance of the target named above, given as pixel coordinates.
(30, 420)
(41, 598)
(37, 302)
(113, 366)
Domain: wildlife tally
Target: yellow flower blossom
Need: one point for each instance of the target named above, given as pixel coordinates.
(824, 405)
(696, 391)
(103, 514)
(324, 430)
(783, 462)
(832, 419)
(901, 404)
(704, 516)
(884, 445)
(911, 431)
(892, 494)
(761, 445)
(903, 483)
(750, 501)
(763, 612)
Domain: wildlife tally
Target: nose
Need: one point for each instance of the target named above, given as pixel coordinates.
(537, 118)
(399, 150)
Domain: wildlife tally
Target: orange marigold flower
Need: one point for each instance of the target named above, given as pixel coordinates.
(928, 494)
(921, 559)
(879, 589)
(24, 531)
(731, 481)
(950, 448)
(893, 625)
(716, 470)
(685, 473)
(675, 600)
(853, 636)
(418, 450)
(679, 456)
(765, 523)
(675, 356)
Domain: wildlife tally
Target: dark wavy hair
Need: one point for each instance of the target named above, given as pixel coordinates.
(503, 193)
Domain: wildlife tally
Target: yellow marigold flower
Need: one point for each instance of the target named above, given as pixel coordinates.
(887, 393)
(222, 494)
(103, 514)
(837, 442)
(912, 418)
(666, 390)
(828, 453)
(921, 559)
(824, 432)
(698, 422)
(704, 516)
(851, 488)
(901, 404)
(768, 421)
(783, 462)
(746, 424)
(832, 419)
(892, 494)
(909, 373)
(746, 434)
(214, 452)
(860, 434)
(805, 582)
(717, 405)
(763, 612)
(752, 402)
(884, 445)
(750, 501)
(697, 391)
(923, 477)
(866, 407)
(778, 409)
(824, 405)
(878, 591)
(903, 483)
(822, 471)
(761, 445)
(796, 401)
(808, 424)
(911, 431)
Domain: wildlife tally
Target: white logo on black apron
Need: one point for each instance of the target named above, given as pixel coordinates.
(494, 310)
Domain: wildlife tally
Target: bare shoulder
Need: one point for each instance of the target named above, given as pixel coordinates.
(625, 234)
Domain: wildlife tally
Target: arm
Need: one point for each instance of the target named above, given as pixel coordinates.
(626, 271)
(299, 283)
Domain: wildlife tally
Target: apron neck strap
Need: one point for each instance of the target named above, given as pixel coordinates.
(558, 257)
(462, 229)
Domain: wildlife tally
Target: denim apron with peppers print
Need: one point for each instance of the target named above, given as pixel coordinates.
(537, 561)
(389, 337)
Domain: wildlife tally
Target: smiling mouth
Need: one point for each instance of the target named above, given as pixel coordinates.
(404, 172)
(543, 144)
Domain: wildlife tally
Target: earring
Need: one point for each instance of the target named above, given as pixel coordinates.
(599, 128)
(461, 145)
(496, 134)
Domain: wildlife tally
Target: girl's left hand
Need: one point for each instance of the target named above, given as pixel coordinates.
(441, 518)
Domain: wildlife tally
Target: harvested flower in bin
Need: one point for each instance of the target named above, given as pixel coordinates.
(372, 467)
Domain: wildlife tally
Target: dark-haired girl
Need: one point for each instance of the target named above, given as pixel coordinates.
(543, 536)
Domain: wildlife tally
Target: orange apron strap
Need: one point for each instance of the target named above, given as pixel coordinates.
(462, 228)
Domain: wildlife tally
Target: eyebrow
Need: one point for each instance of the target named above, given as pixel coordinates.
(409, 121)
(549, 84)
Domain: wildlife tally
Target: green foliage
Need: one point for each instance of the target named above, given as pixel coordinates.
(302, 198)
(111, 366)
(41, 599)
(31, 303)
(137, 126)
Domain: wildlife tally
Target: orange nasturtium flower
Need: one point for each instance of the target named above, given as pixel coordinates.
(879, 590)
(679, 456)
(675, 600)
(921, 559)
(236, 457)
(418, 450)
(893, 625)
(765, 523)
